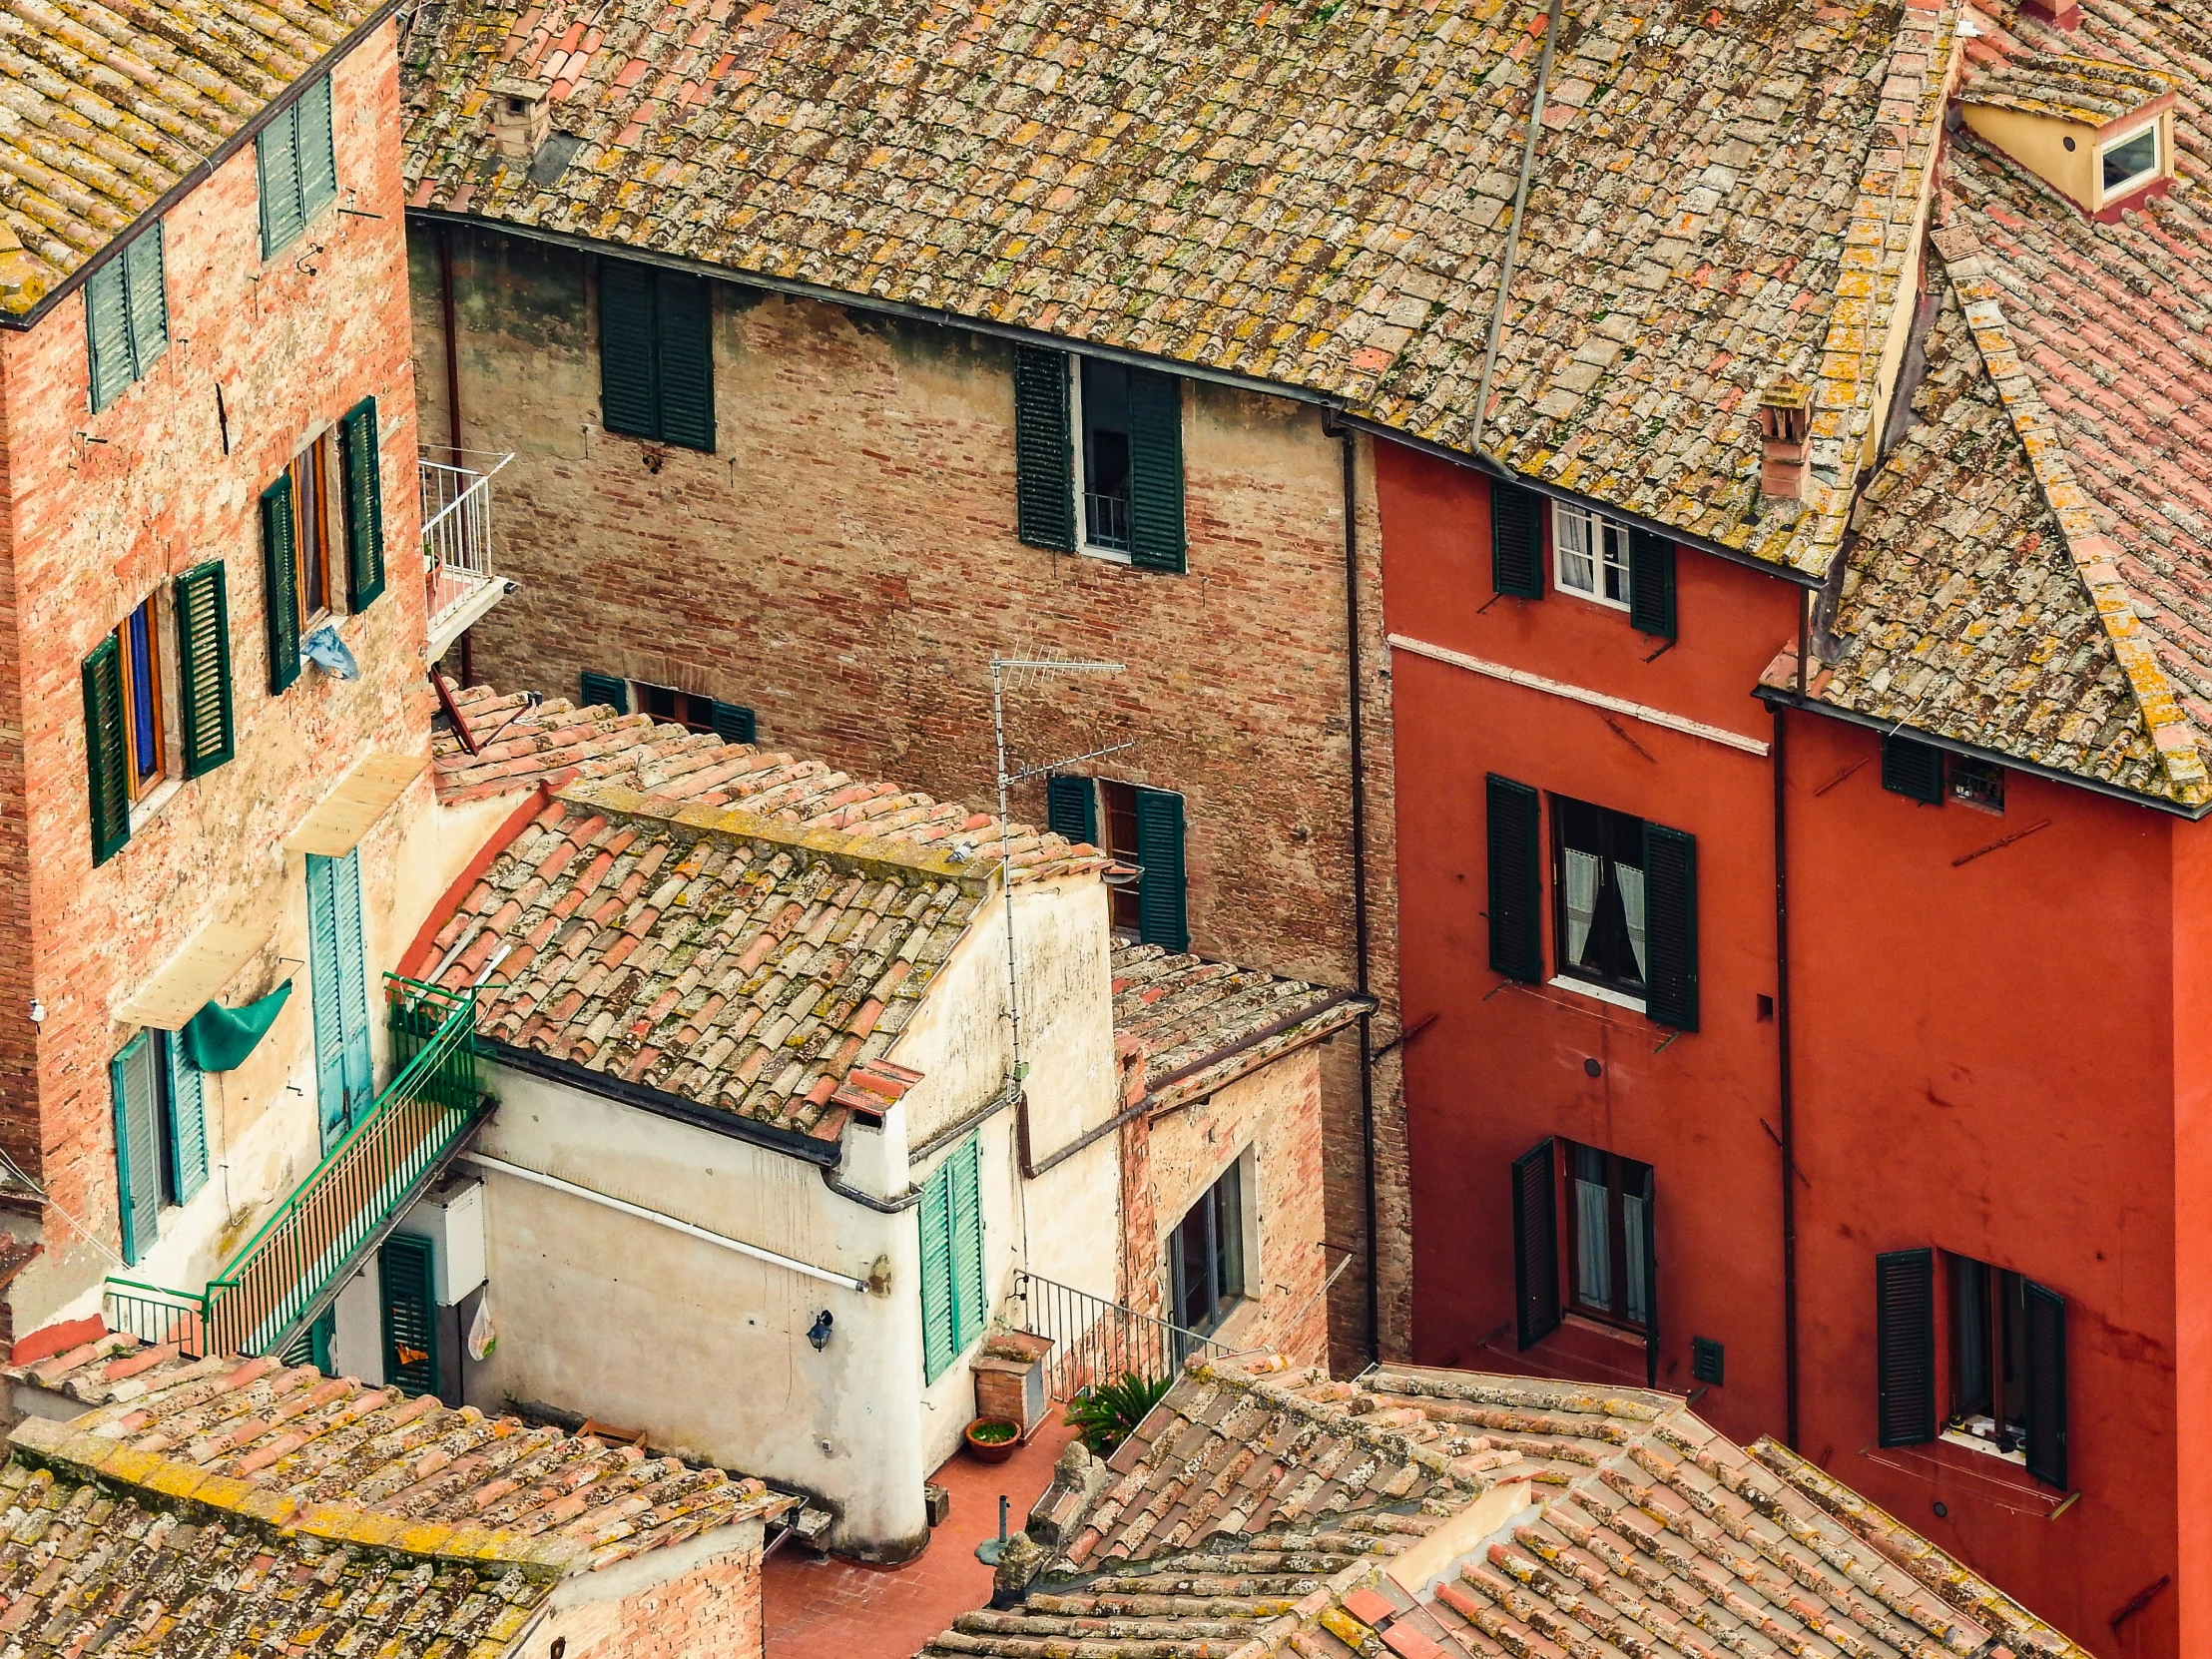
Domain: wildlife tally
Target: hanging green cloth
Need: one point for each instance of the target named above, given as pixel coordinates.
(218, 1038)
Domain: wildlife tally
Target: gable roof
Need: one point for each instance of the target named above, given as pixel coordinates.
(1205, 1024)
(1319, 198)
(1259, 1509)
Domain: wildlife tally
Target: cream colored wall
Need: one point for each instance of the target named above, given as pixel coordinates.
(2037, 143)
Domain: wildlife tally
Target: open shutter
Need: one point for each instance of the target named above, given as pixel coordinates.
(937, 1297)
(276, 161)
(1535, 1245)
(364, 505)
(408, 1272)
(1044, 455)
(606, 691)
(684, 337)
(1651, 583)
(281, 584)
(318, 162)
(1155, 539)
(1516, 541)
(1913, 768)
(967, 1245)
(1162, 915)
(629, 393)
(1651, 1280)
(1670, 927)
(1071, 807)
(149, 298)
(352, 962)
(188, 1119)
(1905, 1346)
(327, 985)
(203, 659)
(733, 723)
(1516, 881)
(107, 750)
(2045, 1350)
(107, 333)
(138, 1166)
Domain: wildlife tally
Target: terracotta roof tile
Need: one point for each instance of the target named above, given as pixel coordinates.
(1204, 1024)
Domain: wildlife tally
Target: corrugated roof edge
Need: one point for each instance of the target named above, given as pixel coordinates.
(24, 321)
(1302, 1027)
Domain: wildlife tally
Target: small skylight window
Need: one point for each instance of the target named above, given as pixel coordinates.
(2129, 160)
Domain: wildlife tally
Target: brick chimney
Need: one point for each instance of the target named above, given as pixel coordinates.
(521, 120)
(1785, 427)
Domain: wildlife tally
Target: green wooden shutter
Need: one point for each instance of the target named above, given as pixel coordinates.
(1651, 583)
(203, 662)
(107, 750)
(1162, 912)
(107, 333)
(277, 163)
(1904, 1346)
(685, 347)
(188, 1119)
(148, 295)
(1516, 880)
(938, 1319)
(318, 162)
(1670, 927)
(1516, 541)
(967, 1245)
(629, 375)
(1913, 768)
(1651, 1279)
(2046, 1353)
(1535, 1245)
(352, 959)
(605, 690)
(327, 980)
(409, 1272)
(364, 505)
(733, 723)
(1156, 536)
(281, 584)
(138, 1167)
(1071, 807)
(1044, 454)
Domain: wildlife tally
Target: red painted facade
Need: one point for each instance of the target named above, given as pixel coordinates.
(1988, 1016)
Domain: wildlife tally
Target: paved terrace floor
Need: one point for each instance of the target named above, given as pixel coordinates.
(838, 1609)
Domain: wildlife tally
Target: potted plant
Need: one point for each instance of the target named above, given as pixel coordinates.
(994, 1439)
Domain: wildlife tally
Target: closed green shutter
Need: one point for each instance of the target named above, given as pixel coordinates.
(319, 162)
(1651, 583)
(2045, 1348)
(138, 1167)
(1535, 1245)
(733, 723)
(203, 662)
(1904, 1346)
(685, 347)
(188, 1119)
(1156, 537)
(277, 163)
(107, 750)
(1162, 915)
(148, 295)
(1516, 881)
(409, 1272)
(939, 1298)
(1516, 541)
(364, 505)
(281, 584)
(605, 690)
(967, 1244)
(1071, 807)
(327, 980)
(629, 391)
(107, 333)
(1913, 768)
(1044, 454)
(1670, 927)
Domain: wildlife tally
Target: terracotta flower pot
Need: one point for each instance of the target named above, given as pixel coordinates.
(993, 1450)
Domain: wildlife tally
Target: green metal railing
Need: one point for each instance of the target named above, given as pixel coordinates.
(319, 1233)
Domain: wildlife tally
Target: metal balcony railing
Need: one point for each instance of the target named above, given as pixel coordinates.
(1106, 520)
(1096, 1341)
(288, 1271)
(456, 538)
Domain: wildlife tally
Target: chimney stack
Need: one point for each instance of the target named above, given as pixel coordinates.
(1785, 425)
(2065, 14)
(521, 120)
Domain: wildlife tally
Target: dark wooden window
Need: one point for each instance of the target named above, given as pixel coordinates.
(138, 641)
(1120, 821)
(1610, 1246)
(1598, 923)
(310, 473)
(2007, 1366)
(1106, 472)
(1129, 446)
(1206, 1254)
(1977, 782)
(730, 721)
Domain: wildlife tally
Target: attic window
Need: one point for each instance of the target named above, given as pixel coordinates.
(2100, 133)
(2131, 161)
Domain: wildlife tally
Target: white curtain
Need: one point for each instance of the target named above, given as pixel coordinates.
(1593, 1245)
(1635, 1218)
(1577, 558)
(1583, 872)
(1632, 903)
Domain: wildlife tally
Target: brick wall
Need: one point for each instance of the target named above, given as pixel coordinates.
(846, 565)
(697, 1600)
(103, 510)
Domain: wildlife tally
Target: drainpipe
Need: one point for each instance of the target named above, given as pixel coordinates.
(452, 340)
(1786, 1106)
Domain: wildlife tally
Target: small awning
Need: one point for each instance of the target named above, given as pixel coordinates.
(342, 817)
(189, 980)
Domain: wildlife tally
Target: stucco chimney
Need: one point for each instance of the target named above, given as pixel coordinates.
(521, 120)
(1785, 426)
(2066, 14)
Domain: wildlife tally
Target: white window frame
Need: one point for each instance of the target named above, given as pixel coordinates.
(1083, 542)
(1609, 544)
(2156, 168)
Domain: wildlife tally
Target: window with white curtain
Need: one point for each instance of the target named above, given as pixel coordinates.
(1609, 1243)
(1601, 894)
(1589, 555)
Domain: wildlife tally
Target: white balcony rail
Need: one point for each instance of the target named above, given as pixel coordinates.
(456, 538)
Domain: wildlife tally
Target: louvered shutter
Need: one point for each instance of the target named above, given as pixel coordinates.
(107, 333)
(1670, 927)
(967, 1244)
(628, 391)
(1535, 1245)
(353, 960)
(1071, 807)
(939, 1320)
(138, 1167)
(1651, 1282)
(733, 723)
(107, 750)
(188, 1119)
(684, 341)
(409, 1272)
(280, 583)
(364, 505)
(203, 661)
(1162, 913)
(1516, 881)
(2045, 1354)
(327, 982)
(1905, 1346)
(1516, 541)
(1651, 583)
(1044, 454)
(318, 162)
(1156, 537)
(606, 691)
(276, 161)
(149, 299)
(1913, 768)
